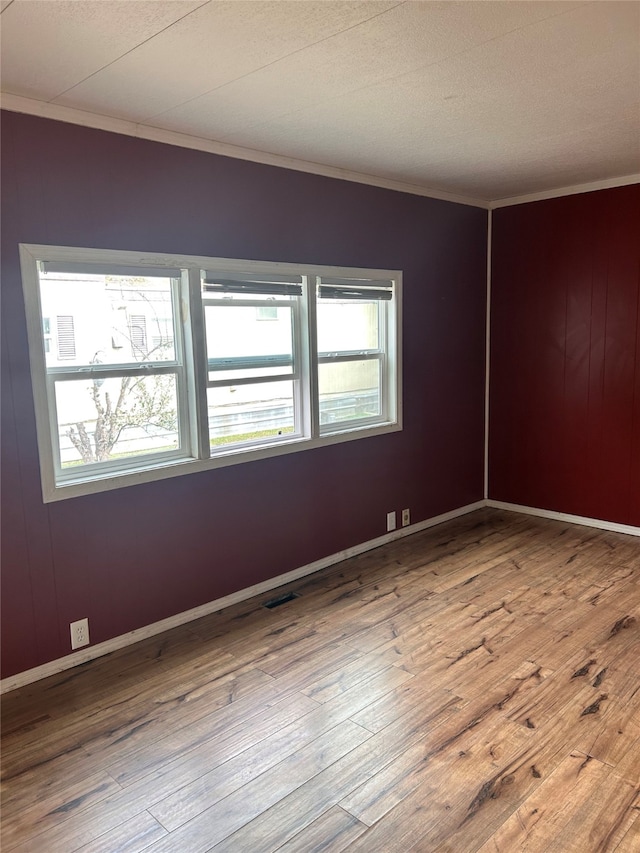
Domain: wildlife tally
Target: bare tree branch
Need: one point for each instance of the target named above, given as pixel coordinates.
(146, 402)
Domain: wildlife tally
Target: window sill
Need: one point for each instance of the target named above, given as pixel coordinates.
(179, 467)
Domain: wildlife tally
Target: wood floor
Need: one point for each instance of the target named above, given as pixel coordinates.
(475, 687)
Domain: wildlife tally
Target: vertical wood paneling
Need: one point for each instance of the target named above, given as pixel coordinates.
(635, 450)
(565, 360)
(576, 269)
(620, 359)
(134, 556)
(595, 461)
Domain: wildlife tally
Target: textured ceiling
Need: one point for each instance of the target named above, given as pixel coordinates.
(482, 99)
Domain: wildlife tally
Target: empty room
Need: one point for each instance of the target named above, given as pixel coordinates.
(320, 426)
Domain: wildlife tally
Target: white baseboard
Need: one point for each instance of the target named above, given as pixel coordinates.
(100, 649)
(92, 652)
(564, 516)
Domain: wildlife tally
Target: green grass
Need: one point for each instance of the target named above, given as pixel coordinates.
(249, 436)
(214, 442)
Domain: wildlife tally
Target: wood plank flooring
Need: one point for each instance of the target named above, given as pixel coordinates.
(474, 687)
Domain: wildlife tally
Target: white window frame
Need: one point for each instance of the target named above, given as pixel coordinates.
(192, 370)
(296, 376)
(381, 292)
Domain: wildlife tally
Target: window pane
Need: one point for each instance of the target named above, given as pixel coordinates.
(349, 391)
(250, 412)
(102, 319)
(116, 418)
(235, 331)
(347, 325)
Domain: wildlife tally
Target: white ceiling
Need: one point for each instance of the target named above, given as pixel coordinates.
(481, 99)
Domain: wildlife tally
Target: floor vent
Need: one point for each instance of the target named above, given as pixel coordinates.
(281, 599)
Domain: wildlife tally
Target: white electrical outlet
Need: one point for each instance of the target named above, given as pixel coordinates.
(391, 521)
(79, 633)
(406, 517)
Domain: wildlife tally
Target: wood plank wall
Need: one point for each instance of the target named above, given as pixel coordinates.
(565, 355)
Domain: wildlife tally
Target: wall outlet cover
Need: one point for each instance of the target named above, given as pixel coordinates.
(79, 633)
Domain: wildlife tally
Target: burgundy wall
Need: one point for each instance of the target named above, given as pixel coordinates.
(565, 355)
(130, 557)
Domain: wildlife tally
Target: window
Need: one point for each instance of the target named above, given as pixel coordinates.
(138, 332)
(162, 366)
(267, 312)
(351, 350)
(66, 337)
(254, 373)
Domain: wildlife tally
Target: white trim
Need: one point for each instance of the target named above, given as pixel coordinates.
(91, 653)
(487, 360)
(44, 403)
(613, 526)
(238, 456)
(19, 104)
(56, 112)
(608, 183)
(108, 646)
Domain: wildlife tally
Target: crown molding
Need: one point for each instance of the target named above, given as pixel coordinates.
(592, 186)
(19, 104)
(70, 115)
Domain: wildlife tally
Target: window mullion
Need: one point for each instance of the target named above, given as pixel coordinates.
(390, 343)
(311, 403)
(196, 363)
(181, 372)
(297, 353)
(383, 342)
